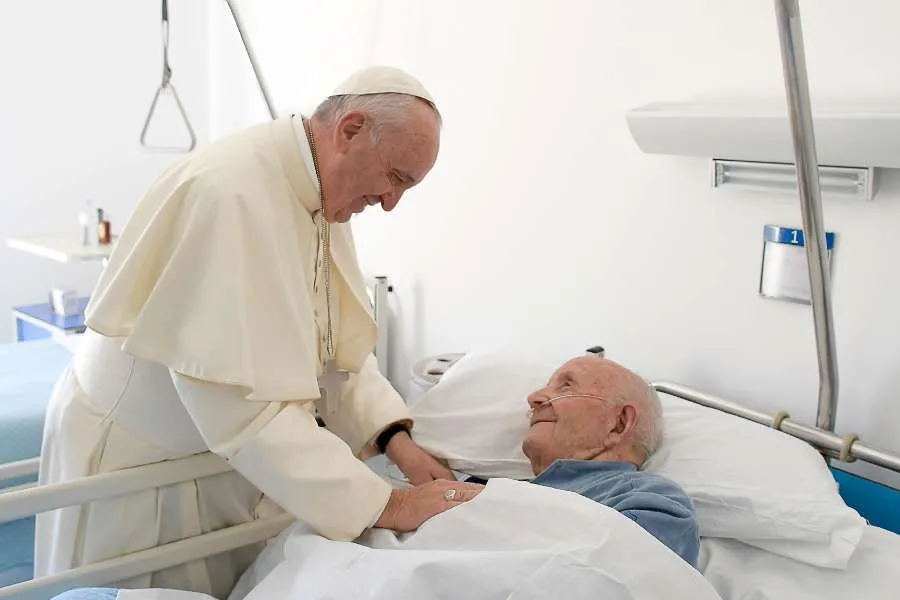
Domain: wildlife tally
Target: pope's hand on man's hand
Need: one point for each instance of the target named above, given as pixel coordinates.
(418, 466)
(408, 508)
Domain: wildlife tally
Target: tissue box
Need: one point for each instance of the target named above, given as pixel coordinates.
(64, 302)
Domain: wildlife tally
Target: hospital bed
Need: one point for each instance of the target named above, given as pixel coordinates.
(736, 570)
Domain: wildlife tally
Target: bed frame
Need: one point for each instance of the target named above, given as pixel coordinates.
(873, 501)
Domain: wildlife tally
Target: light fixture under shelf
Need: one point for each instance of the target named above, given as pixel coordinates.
(844, 182)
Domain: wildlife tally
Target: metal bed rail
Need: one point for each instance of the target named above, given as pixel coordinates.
(150, 560)
(22, 503)
(22, 468)
(25, 470)
(847, 448)
(17, 503)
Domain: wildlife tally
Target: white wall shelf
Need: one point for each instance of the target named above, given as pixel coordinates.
(62, 249)
(848, 133)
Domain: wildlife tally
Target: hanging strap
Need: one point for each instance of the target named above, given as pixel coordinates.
(167, 70)
(167, 86)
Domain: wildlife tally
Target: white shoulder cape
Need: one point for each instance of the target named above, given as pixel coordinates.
(212, 276)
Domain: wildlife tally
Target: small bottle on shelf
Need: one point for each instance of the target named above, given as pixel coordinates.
(104, 234)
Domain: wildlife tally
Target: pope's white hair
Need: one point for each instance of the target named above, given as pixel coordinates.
(388, 110)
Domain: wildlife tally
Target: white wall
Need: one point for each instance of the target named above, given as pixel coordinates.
(543, 225)
(78, 81)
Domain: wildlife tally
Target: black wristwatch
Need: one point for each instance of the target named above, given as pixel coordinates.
(384, 438)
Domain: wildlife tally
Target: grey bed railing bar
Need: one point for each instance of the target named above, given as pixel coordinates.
(20, 468)
(23, 503)
(796, 84)
(148, 561)
(847, 448)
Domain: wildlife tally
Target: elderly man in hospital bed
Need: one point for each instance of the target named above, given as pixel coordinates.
(232, 309)
(593, 426)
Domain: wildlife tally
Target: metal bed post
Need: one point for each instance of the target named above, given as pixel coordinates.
(793, 59)
(380, 291)
(263, 88)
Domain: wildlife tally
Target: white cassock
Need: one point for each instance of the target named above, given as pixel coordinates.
(206, 332)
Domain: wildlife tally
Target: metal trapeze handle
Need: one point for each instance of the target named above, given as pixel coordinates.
(168, 86)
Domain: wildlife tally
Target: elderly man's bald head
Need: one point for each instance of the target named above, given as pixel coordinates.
(593, 408)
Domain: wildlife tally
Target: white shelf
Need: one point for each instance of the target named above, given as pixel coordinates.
(62, 249)
(863, 133)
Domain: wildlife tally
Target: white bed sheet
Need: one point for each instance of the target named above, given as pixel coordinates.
(741, 572)
(734, 570)
(571, 548)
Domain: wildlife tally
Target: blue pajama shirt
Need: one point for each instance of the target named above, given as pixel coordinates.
(655, 503)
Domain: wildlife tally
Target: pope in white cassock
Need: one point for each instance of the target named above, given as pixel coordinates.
(231, 309)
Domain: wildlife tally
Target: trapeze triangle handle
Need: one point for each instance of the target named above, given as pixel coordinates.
(165, 90)
(162, 93)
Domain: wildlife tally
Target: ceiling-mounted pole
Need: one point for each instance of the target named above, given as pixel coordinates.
(264, 90)
(797, 87)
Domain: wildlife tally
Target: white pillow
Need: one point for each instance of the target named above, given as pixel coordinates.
(476, 417)
(755, 484)
(748, 482)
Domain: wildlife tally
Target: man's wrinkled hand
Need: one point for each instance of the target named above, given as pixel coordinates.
(418, 466)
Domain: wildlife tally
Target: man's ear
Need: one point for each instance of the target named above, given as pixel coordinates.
(350, 126)
(626, 418)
